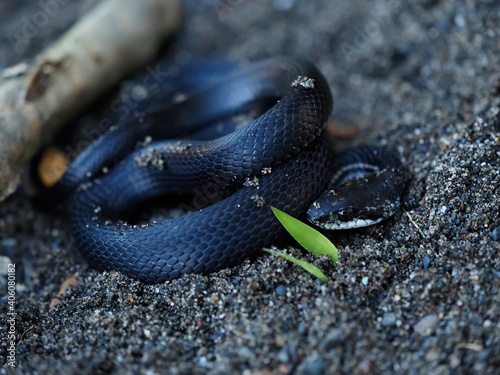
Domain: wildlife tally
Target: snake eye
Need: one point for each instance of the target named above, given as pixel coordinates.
(346, 215)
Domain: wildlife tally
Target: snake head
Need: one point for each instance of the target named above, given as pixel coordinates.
(358, 203)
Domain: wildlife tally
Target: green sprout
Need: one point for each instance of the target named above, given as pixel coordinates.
(311, 268)
(312, 240)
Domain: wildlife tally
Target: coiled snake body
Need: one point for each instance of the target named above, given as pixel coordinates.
(280, 159)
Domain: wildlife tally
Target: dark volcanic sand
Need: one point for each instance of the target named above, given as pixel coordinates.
(415, 295)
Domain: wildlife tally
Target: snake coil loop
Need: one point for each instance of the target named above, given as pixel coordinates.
(280, 159)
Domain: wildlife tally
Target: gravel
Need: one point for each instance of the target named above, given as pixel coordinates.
(417, 294)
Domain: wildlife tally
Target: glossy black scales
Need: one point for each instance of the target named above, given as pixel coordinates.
(218, 236)
(280, 159)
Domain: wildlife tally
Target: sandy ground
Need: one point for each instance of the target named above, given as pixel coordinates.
(418, 294)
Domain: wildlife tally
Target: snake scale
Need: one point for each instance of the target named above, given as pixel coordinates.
(279, 159)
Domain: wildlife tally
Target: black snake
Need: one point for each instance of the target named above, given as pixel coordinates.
(280, 159)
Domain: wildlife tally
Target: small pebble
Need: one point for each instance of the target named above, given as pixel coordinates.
(283, 5)
(316, 367)
(283, 356)
(495, 234)
(8, 244)
(425, 325)
(245, 352)
(335, 337)
(281, 290)
(388, 320)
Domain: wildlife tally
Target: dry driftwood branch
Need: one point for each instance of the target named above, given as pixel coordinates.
(113, 39)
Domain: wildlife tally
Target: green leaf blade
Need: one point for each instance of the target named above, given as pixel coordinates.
(312, 240)
(312, 269)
